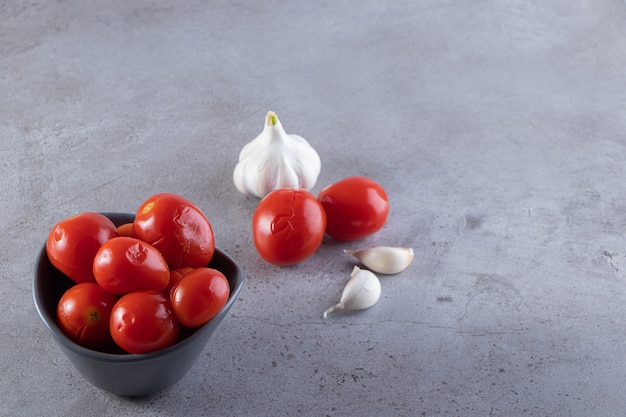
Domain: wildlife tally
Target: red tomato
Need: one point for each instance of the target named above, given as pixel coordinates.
(143, 322)
(175, 276)
(177, 228)
(125, 264)
(199, 296)
(125, 229)
(83, 314)
(73, 242)
(355, 207)
(288, 226)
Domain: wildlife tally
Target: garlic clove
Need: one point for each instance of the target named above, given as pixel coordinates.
(384, 259)
(362, 291)
(275, 159)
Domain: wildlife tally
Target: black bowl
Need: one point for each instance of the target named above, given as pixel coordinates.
(122, 373)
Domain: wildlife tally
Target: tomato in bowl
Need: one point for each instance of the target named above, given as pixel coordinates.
(116, 371)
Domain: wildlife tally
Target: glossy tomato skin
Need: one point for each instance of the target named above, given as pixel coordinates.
(83, 314)
(73, 242)
(288, 226)
(175, 276)
(177, 228)
(125, 229)
(125, 264)
(199, 296)
(355, 207)
(143, 322)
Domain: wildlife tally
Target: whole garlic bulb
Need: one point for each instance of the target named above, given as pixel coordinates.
(275, 159)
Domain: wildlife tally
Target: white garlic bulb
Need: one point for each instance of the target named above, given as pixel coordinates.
(362, 291)
(275, 159)
(384, 259)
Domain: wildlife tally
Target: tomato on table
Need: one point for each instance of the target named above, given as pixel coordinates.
(288, 226)
(355, 207)
(125, 264)
(73, 242)
(199, 296)
(143, 322)
(83, 314)
(177, 228)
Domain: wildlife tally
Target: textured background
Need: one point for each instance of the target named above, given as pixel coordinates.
(496, 127)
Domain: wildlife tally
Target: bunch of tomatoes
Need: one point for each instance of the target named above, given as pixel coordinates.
(140, 285)
(289, 224)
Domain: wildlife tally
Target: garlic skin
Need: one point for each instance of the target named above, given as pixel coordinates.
(275, 159)
(386, 260)
(362, 291)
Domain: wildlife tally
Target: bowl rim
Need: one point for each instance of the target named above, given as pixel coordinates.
(67, 343)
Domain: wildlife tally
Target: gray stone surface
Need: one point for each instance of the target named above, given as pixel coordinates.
(496, 127)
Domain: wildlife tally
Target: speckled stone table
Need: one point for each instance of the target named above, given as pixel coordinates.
(497, 129)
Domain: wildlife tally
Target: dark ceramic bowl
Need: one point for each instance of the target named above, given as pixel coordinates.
(121, 373)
